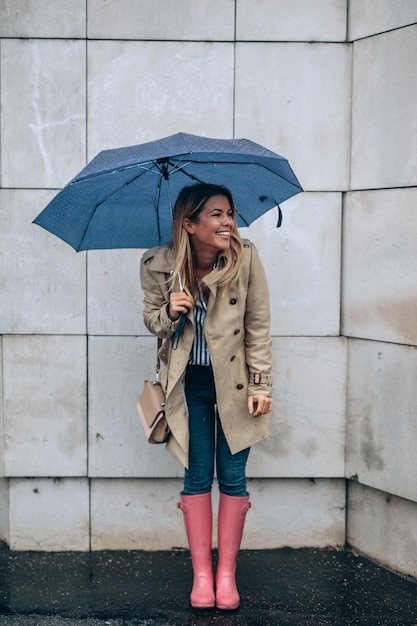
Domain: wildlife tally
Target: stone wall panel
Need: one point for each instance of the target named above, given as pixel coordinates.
(302, 264)
(43, 281)
(45, 402)
(294, 98)
(384, 127)
(48, 18)
(49, 514)
(367, 17)
(139, 19)
(115, 297)
(379, 273)
(308, 426)
(381, 424)
(117, 445)
(43, 102)
(291, 20)
(295, 513)
(383, 527)
(139, 91)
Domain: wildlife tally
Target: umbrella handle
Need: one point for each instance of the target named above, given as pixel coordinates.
(180, 327)
(279, 222)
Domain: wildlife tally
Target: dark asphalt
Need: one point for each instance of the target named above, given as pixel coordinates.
(278, 587)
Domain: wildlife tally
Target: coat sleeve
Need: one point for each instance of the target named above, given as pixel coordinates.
(257, 329)
(155, 289)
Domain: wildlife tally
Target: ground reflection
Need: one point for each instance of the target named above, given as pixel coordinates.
(229, 618)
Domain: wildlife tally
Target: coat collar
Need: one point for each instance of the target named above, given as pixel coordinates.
(162, 259)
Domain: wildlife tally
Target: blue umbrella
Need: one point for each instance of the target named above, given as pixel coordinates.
(124, 197)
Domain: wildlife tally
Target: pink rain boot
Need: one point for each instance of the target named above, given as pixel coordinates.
(198, 526)
(232, 514)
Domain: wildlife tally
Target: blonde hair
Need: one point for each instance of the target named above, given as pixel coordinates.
(189, 204)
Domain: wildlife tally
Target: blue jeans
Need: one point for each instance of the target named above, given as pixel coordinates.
(205, 428)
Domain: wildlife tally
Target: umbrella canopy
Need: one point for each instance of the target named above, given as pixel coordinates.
(124, 197)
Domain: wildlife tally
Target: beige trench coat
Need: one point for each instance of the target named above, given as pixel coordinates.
(237, 333)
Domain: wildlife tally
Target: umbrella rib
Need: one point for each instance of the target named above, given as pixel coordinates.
(165, 173)
(191, 176)
(102, 202)
(158, 195)
(88, 177)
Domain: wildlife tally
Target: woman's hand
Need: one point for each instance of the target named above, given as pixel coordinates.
(179, 302)
(259, 404)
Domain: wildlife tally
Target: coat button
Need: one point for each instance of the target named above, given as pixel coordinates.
(236, 331)
(233, 357)
(232, 301)
(239, 386)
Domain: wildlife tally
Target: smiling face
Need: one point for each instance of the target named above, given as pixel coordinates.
(212, 230)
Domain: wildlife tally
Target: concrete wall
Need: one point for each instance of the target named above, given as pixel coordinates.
(379, 284)
(77, 472)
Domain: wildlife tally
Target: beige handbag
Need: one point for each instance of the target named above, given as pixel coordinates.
(151, 408)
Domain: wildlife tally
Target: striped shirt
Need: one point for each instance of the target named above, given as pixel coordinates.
(199, 354)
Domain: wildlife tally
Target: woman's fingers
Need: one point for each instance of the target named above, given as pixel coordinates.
(259, 404)
(179, 302)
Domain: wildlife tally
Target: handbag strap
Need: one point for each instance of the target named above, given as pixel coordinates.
(158, 362)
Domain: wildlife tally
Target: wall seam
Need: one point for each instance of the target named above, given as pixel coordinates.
(86, 299)
(383, 32)
(234, 75)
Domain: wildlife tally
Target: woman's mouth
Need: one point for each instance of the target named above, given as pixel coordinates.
(223, 233)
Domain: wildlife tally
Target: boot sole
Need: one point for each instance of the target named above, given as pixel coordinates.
(227, 608)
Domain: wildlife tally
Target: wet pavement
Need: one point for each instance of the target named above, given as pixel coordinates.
(281, 587)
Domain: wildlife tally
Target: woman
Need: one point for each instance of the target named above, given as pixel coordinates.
(207, 296)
